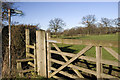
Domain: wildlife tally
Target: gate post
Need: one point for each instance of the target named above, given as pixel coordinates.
(98, 62)
(41, 53)
(27, 37)
(48, 55)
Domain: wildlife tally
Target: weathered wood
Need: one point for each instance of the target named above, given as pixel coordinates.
(71, 60)
(27, 70)
(48, 56)
(113, 53)
(66, 59)
(41, 53)
(30, 55)
(78, 73)
(19, 68)
(109, 62)
(31, 64)
(98, 62)
(86, 42)
(27, 37)
(60, 51)
(35, 58)
(83, 69)
(76, 67)
(65, 73)
(24, 60)
(58, 78)
(30, 46)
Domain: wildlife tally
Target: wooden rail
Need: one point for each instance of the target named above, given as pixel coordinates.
(99, 61)
(85, 42)
(114, 63)
(43, 59)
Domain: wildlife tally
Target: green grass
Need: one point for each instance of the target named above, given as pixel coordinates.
(91, 52)
(107, 37)
(76, 48)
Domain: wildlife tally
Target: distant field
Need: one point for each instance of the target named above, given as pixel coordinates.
(91, 52)
(108, 37)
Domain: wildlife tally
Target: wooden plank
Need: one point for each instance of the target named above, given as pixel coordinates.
(65, 73)
(60, 51)
(30, 46)
(84, 69)
(98, 62)
(109, 77)
(41, 53)
(86, 42)
(31, 64)
(113, 53)
(63, 53)
(73, 66)
(27, 39)
(24, 60)
(30, 55)
(66, 59)
(58, 78)
(19, 68)
(109, 62)
(78, 73)
(71, 60)
(48, 56)
(35, 58)
(27, 70)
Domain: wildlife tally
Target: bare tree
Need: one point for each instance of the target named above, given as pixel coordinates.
(56, 24)
(106, 22)
(89, 21)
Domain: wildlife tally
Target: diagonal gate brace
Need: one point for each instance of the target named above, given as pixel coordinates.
(66, 59)
(71, 60)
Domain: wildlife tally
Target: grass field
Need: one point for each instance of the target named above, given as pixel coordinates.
(108, 37)
(76, 48)
(91, 52)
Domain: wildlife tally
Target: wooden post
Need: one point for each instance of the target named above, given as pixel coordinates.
(41, 53)
(19, 68)
(98, 62)
(48, 56)
(27, 33)
(35, 58)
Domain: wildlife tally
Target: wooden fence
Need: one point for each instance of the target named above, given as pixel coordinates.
(43, 57)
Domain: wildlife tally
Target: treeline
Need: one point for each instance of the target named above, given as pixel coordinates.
(91, 26)
(93, 30)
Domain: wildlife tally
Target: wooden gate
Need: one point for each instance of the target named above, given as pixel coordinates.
(44, 57)
(77, 69)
